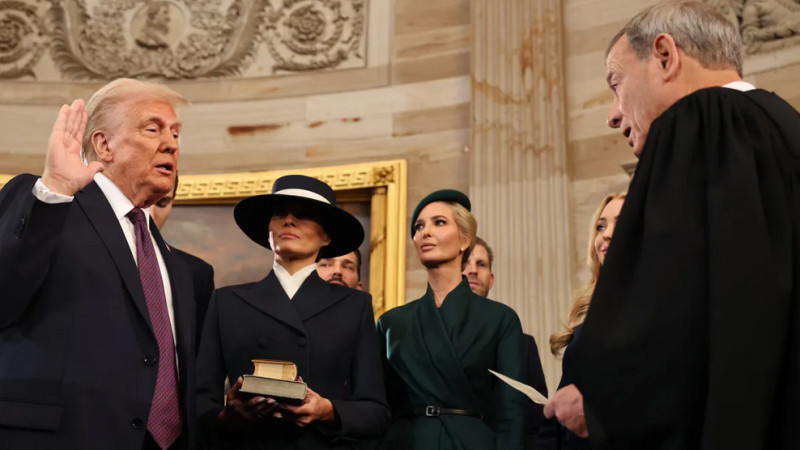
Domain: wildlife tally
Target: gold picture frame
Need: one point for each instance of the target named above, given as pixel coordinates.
(382, 183)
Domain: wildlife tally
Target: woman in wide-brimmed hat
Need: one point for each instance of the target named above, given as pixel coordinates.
(439, 347)
(325, 329)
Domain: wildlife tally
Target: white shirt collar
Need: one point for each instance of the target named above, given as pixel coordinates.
(743, 86)
(291, 283)
(119, 202)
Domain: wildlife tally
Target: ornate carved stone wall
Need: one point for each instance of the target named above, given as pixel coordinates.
(765, 25)
(96, 40)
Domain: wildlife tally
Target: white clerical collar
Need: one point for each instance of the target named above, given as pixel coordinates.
(121, 204)
(291, 283)
(743, 86)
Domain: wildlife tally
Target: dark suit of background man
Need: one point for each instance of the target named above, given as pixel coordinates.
(478, 271)
(97, 318)
(693, 337)
(202, 272)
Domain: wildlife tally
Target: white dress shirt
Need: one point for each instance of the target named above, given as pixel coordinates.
(743, 86)
(291, 283)
(121, 206)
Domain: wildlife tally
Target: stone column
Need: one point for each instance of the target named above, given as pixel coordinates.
(518, 165)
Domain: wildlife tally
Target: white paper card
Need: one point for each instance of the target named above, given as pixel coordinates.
(532, 393)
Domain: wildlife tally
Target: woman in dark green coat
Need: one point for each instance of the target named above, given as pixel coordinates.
(438, 349)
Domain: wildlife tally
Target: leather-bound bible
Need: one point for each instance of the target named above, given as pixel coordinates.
(276, 379)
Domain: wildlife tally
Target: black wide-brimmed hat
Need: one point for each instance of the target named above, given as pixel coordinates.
(254, 213)
(443, 195)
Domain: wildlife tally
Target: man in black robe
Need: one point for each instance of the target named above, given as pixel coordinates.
(691, 340)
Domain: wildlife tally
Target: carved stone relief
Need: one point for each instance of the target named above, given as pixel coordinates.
(174, 40)
(765, 25)
(22, 39)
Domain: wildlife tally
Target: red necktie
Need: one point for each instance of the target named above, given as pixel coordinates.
(164, 423)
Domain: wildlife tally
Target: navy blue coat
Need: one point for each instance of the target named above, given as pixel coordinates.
(76, 345)
(325, 329)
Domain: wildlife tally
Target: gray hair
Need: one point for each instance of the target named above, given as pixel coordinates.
(701, 31)
(102, 107)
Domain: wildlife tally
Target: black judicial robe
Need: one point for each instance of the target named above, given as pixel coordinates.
(537, 381)
(440, 357)
(327, 330)
(693, 337)
(553, 436)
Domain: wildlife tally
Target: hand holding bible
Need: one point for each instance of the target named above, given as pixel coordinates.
(240, 410)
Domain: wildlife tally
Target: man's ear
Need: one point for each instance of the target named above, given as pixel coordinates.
(102, 146)
(491, 281)
(665, 52)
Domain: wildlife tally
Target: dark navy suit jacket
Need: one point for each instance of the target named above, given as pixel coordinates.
(78, 357)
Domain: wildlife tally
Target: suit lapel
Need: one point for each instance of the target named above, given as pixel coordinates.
(269, 297)
(316, 295)
(105, 223)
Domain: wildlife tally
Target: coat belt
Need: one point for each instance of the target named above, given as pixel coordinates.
(436, 411)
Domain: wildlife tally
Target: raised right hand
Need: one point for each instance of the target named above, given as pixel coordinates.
(239, 411)
(64, 172)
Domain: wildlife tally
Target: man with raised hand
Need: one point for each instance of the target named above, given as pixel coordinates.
(97, 320)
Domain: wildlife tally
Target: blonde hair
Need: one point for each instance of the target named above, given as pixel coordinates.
(467, 226)
(579, 308)
(103, 106)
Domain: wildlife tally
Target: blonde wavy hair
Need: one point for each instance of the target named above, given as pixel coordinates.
(579, 308)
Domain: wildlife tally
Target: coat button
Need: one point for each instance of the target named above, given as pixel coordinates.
(20, 227)
(150, 360)
(137, 423)
(262, 342)
(301, 341)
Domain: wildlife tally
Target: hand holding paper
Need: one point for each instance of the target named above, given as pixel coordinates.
(568, 401)
(566, 405)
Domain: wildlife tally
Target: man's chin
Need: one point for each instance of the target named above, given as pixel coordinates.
(478, 289)
(337, 281)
